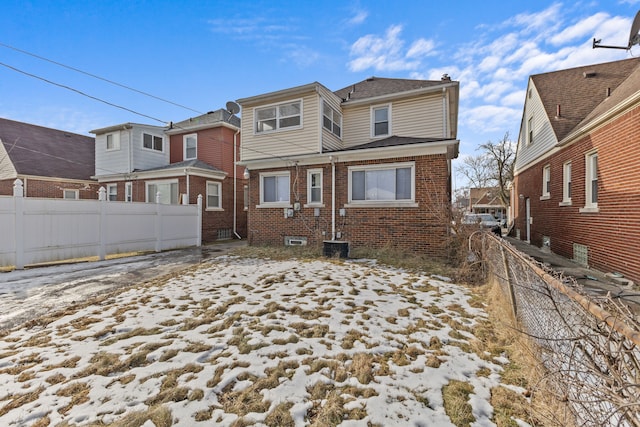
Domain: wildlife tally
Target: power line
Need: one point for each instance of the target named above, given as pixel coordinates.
(81, 93)
(99, 78)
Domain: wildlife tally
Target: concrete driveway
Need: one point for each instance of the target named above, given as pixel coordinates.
(27, 294)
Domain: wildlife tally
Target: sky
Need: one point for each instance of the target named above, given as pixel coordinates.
(84, 65)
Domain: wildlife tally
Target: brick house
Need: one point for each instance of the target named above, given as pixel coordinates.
(51, 163)
(135, 162)
(367, 165)
(487, 200)
(577, 172)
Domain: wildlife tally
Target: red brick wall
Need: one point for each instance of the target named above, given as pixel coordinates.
(215, 147)
(421, 229)
(51, 189)
(612, 234)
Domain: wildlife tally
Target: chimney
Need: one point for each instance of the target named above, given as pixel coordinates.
(445, 78)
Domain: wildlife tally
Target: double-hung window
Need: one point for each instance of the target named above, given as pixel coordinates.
(152, 142)
(112, 192)
(380, 121)
(190, 143)
(314, 186)
(331, 119)
(214, 195)
(546, 182)
(113, 141)
(382, 184)
(566, 183)
(278, 117)
(591, 181)
(530, 130)
(274, 189)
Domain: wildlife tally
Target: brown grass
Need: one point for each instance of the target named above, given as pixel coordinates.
(456, 403)
(17, 400)
(78, 392)
(280, 416)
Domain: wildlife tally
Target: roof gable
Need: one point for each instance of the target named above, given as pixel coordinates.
(380, 86)
(576, 92)
(40, 151)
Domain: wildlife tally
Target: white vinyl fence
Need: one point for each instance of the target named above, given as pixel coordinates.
(34, 230)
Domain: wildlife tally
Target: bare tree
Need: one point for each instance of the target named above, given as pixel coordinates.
(493, 167)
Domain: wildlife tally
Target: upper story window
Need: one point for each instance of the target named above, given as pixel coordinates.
(546, 182)
(314, 186)
(274, 188)
(381, 120)
(530, 130)
(566, 183)
(214, 195)
(591, 178)
(112, 192)
(382, 183)
(277, 117)
(190, 143)
(152, 142)
(331, 120)
(113, 141)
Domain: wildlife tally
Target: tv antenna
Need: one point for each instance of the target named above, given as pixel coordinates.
(634, 37)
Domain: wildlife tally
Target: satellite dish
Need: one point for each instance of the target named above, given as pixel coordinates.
(233, 108)
(634, 37)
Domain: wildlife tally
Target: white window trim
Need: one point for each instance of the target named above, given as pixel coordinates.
(71, 190)
(184, 146)
(372, 120)
(115, 136)
(319, 204)
(530, 130)
(589, 207)
(566, 179)
(161, 181)
(115, 193)
(546, 179)
(278, 128)
(152, 149)
(283, 204)
(411, 203)
(214, 208)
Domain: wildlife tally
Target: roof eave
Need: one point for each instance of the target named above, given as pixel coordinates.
(297, 90)
(396, 95)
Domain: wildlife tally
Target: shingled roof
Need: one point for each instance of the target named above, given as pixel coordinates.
(580, 92)
(40, 151)
(380, 86)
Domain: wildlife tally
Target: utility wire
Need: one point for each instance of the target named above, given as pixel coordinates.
(81, 93)
(99, 78)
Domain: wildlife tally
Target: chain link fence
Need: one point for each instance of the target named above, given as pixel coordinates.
(590, 346)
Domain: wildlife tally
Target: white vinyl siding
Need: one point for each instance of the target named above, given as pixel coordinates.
(409, 117)
(302, 140)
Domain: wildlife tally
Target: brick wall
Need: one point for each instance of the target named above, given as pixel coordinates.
(612, 234)
(51, 189)
(421, 229)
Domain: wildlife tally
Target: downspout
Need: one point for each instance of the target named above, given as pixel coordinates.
(333, 198)
(235, 193)
(186, 173)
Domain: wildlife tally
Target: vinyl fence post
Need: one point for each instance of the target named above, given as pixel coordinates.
(18, 198)
(512, 295)
(199, 224)
(102, 198)
(158, 223)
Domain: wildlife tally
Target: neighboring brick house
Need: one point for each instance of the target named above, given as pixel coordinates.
(51, 163)
(487, 200)
(577, 171)
(368, 165)
(134, 162)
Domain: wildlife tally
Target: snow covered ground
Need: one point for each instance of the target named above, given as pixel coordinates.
(241, 341)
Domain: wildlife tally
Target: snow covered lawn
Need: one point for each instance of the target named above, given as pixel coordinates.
(247, 341)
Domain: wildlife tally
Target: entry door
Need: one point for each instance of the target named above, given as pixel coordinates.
(527, 208)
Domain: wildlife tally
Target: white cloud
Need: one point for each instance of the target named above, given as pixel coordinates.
(421, 47)
(381, 53)
(490, 118)
(584, 28)
(303, 56)
(359, 17)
